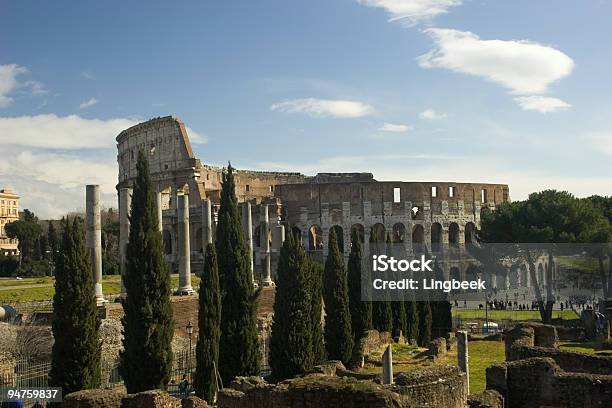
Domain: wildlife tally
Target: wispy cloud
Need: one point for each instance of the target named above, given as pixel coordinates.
(543, 104)
(87, 74)
(523, 67)
(394, 128)
(321, 108)
(431, 114)
(413, 11)
(9, 82)
(88, 103)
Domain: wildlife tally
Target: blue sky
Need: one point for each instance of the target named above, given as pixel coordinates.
(514, 92)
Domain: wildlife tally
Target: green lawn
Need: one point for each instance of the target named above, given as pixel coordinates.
(584, 264)
(510, 314)
(111, 285)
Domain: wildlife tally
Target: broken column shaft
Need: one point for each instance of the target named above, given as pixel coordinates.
(207, 225)
(93, 238)
(125, 204)
(265, 246)
(247, 228)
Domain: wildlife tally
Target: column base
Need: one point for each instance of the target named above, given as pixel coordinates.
(184, 291)
(100, 301)
(268, 283)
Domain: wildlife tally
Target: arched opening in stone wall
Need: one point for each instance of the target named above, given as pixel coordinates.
(418, 237)
(540, 275)
(297, 234)
(315, 238)
(339, 235)
(358, 228)
(399, 233)
(523, 275)
(453, 234)
(455, 273)
(470, 231)
(167, 239)
(257, 237)
(198, 240)
(514, 278)
(377, 239)
(472, 272)
(436, 236)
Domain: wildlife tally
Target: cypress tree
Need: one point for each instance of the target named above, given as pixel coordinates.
(425, 318)
(338, 333)
(209, 331)
(291, 348)
(382, 316)
(146, 360)
(75, 357)
(399, 317)
(239, 346)
(412, 320)
(316, 280)
(361, 311)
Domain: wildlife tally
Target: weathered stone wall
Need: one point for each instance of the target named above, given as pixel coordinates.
(486, 399)
(437, 347)
(443, 387)
(119, 399)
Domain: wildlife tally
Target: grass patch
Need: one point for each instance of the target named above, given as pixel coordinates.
(590, 347)
(517, 315)
(584, 264)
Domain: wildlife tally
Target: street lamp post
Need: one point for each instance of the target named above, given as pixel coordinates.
(190, 332)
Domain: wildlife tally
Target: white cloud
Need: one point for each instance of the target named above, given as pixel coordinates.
(413, 11)
(88, 103)
(431, 114)
(8, 82)
(324, 108)
(61, 132)
(394, 128)
(523, 67)
(543, 104)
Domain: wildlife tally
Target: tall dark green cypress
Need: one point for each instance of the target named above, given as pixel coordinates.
(399, 317)
(338, 333)
(146, 360)
(316, 318)
(209, 331)
(425, 319)
(412, 320)
(75, 357)
(53, 241)
(291, 348)
(239, 346)
(361, 311)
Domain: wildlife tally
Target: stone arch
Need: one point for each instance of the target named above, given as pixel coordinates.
(378, 233)
(167, 240)
(358, 228)
(524, 275)
(470, 233)
(436, 236)
(198, 242)
(455, 273)
(514, 278)
(315, 238)
(418, 237)
(257, 237)
(453, 233)
(399, 233)
(339, 235)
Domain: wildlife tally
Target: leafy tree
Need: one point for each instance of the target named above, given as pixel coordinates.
(146, 360)
(239, 347)
(425, 319)
(291, 348)
(75, 357)
(209, 320)
(26, 230)
(361, 311)
(338, 333)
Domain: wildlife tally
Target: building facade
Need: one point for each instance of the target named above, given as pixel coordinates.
(9, 212)
(410, 215)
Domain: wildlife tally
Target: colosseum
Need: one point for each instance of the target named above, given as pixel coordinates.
(409, 214)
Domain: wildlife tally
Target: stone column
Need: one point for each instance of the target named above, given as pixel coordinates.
(158, 199)
(388, 366)
(184, 251)
(462, 354)
(207, 225)
(247, 228)
(93, 238)
(125, 204)
(265, 246)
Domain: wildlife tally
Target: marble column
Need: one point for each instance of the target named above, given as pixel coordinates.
(184, 250)
(125, 204)
(462, 354)
(158, 199)
(93, 238)
(265, 246)
(207, 225)
(247, 228)
(387, 377)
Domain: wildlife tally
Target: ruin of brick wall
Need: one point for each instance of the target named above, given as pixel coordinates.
(538, 373)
